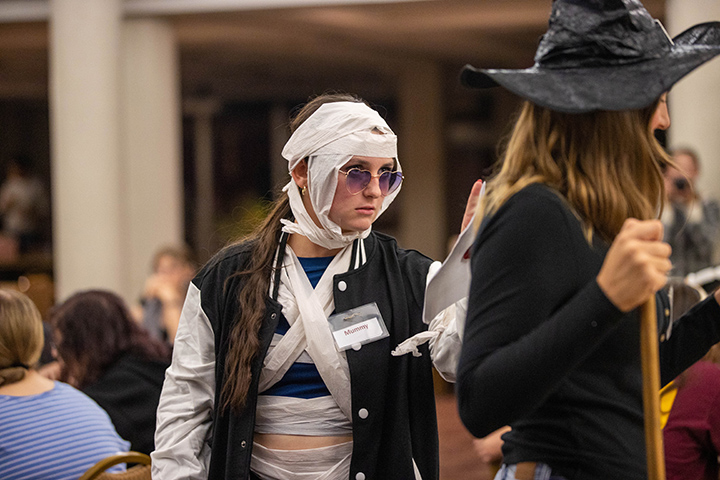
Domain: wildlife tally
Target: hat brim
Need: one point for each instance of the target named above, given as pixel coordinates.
(618, 87)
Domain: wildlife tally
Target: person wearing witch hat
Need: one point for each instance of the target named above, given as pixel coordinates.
(569, 246)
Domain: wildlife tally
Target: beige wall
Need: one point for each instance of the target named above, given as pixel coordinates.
(695, 100)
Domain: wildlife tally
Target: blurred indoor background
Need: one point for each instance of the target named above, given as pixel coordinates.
(154, 122)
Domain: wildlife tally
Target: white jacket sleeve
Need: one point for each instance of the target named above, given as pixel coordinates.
(185, 411)
(444, 335)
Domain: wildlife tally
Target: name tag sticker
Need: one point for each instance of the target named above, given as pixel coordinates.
(358, 326)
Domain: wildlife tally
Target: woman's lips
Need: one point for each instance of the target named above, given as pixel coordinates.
(365, 210)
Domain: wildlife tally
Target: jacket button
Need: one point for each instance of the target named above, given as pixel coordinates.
(662, 337)
(243, 444)
(667, 312)
(273, 315)
(342, 286)
(360, 476)
(363, 413)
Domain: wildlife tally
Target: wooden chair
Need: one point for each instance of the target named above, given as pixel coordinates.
(141, 471)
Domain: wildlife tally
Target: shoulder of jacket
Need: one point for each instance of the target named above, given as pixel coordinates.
(228, 260)
(389, 243)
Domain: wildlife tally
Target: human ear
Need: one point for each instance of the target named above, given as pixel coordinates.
(300, 174)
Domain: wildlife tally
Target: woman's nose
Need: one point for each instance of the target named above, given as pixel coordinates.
(661, 117)
(373, 188)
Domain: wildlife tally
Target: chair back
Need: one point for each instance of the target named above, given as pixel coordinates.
(141, 471)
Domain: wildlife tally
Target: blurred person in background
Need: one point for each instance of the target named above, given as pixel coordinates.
(692, 432)
(162, 299)
(106, 354)
(48, 429)
(692, 222)
(24, 205)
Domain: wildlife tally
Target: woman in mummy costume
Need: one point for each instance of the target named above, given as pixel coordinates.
(282, 366)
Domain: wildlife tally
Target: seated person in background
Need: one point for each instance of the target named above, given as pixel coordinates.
(24, 204)
(692, 432)
(692, 223)
(48, 430)
(165, 289)
(112, 359)
(48, 365)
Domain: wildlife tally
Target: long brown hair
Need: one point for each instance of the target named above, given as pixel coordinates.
(606, 164)
(93, 329)
(244, 338)
(21, 336)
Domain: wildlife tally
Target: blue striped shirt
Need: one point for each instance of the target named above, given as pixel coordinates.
(55, 435)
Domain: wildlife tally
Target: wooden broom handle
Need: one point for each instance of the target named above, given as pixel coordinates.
(651, 390)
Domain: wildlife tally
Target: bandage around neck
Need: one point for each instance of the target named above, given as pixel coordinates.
(329, 138)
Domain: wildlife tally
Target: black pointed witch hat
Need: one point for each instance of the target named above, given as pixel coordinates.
(603, 55)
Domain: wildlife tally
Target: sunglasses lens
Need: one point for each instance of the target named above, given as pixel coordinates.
(389, 182)
(357, 180)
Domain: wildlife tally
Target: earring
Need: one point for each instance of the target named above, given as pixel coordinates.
(303, 190)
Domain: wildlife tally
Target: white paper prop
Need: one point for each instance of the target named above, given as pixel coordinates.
(445, 295)
(452, 282)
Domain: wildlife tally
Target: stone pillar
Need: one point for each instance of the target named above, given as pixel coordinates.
(151, 145)
(695, 100)
(85, 143)
(420, 148)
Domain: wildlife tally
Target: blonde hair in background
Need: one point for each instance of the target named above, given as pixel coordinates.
(21, 335)
(181, 253)
(605, 164)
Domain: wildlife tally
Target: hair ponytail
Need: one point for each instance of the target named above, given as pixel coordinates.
(21, 336)
(244, 338)
(244, 341)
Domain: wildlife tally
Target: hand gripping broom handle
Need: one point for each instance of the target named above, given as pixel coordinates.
(651, 390)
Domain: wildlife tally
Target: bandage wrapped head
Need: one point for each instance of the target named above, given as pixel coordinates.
(329, 138)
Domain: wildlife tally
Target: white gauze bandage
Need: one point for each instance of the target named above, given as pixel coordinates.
(330, 137)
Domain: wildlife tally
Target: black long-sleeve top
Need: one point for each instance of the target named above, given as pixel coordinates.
(547, 353)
